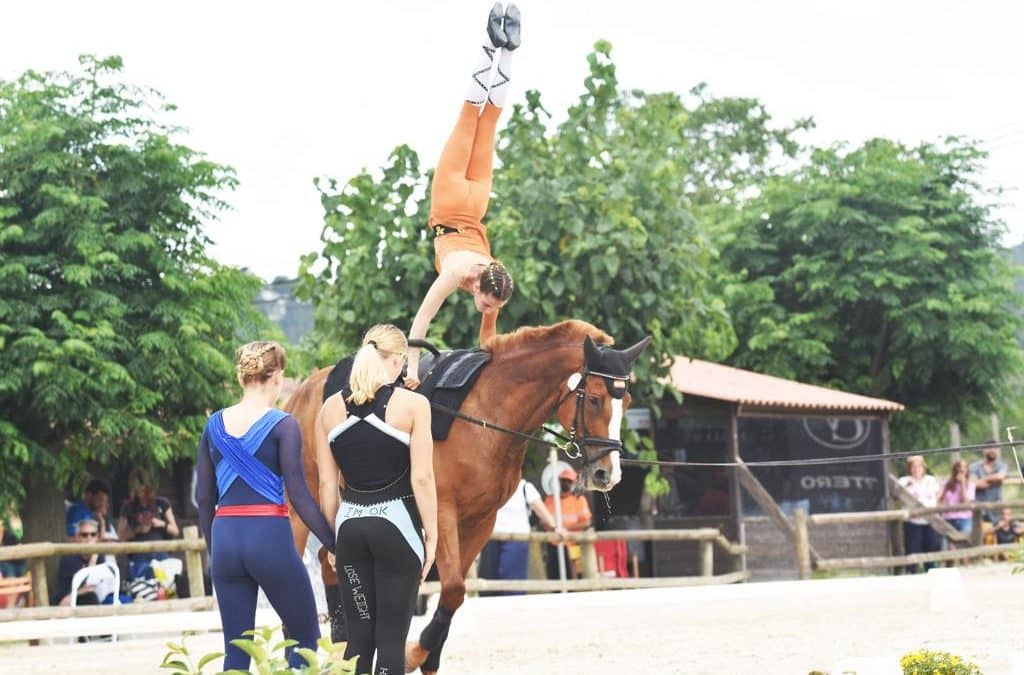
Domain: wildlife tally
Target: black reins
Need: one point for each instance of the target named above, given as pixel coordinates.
(573, 445)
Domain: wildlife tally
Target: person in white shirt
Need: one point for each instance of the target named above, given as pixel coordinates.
(508, 559)
(918, 535)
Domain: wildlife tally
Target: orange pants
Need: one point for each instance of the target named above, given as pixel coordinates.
(462, 183)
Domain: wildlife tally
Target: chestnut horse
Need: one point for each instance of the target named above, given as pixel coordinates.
(533, 373)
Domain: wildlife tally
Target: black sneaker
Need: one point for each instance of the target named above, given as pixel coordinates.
(494, 30)
(512, 34)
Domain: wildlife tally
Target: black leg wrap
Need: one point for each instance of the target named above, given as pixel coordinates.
(436, 631)
(433, 662)
(335, 613)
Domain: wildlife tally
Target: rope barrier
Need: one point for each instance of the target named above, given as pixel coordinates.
(815, 461)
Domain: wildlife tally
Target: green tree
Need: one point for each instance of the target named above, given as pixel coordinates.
(595, 219)
(116, 327)
(878, 270)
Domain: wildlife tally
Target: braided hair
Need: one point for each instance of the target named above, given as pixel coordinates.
(495, 280)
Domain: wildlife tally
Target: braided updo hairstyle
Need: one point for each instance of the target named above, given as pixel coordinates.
(257, 362)
(495, 280)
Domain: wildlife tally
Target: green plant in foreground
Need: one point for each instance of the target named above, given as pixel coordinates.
(267, 658)
(926, 662)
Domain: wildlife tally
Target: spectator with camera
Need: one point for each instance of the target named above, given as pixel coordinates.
(145, 517)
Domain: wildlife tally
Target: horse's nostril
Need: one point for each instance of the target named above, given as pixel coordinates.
(601, 477)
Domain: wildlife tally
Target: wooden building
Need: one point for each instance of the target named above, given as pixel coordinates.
(731, 415)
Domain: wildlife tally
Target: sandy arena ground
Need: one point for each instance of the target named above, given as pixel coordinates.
(855, 625)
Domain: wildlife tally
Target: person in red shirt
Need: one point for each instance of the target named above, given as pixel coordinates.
(576, 517)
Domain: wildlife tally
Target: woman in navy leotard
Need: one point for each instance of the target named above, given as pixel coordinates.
(248, 454)
(378, 438)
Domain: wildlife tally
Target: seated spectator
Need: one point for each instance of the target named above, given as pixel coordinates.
(10, 534)
(86, 531)
(145, 517)
(959, 489)
(1008, 529)
(94, 505)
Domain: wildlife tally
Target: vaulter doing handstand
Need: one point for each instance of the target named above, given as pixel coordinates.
(462, 189)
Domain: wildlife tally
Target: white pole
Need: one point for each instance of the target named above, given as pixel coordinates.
(557, 494)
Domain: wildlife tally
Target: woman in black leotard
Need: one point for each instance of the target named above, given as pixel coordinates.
(378, 438)
(248, 454)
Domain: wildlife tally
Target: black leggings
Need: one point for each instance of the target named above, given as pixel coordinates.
(379, 576)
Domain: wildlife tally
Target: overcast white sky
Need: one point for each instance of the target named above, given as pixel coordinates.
(285, 92)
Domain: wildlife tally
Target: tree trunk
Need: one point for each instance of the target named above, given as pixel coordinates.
(879, 357)
(43, 517)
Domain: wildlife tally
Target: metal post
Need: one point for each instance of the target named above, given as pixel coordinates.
(557, 494)
(737, 495)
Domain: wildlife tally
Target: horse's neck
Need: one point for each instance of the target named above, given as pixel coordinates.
(524, 388)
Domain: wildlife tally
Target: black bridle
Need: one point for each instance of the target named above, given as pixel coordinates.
(579, 445)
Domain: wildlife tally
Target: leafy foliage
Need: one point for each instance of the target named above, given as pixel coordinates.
(594, 219)
(878, 271)
(268, 657)
(116, 328)
(928, 662)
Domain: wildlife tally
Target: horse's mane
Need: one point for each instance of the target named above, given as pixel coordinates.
(571, 331)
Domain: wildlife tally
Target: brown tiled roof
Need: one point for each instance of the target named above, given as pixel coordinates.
(724, 383)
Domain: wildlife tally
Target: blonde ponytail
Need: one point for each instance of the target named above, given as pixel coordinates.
(368, 370)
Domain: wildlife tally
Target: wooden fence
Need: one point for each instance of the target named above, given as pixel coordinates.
(708, 540)
(36, 554)
(807, 559)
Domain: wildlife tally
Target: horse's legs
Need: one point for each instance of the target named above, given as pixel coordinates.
(426, 651)
(470, 544)
(333, 594)
(300, 533)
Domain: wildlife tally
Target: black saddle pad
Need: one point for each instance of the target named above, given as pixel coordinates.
(338, 377)
(446, 380)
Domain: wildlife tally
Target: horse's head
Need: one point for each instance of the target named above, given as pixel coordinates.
(593, 407)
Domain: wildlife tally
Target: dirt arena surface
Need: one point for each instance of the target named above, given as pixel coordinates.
(854, 625)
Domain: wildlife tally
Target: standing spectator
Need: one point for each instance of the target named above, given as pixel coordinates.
(989, 474)
(509, 559)
(576, 517)
(918, 535)
(145, 517)
(94, 505)
(959, 489)
(1007, 529)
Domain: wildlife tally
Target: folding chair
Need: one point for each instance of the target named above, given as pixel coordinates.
(105, 577)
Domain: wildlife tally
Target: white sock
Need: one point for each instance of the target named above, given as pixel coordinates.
(499, 88)
(479, 82)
